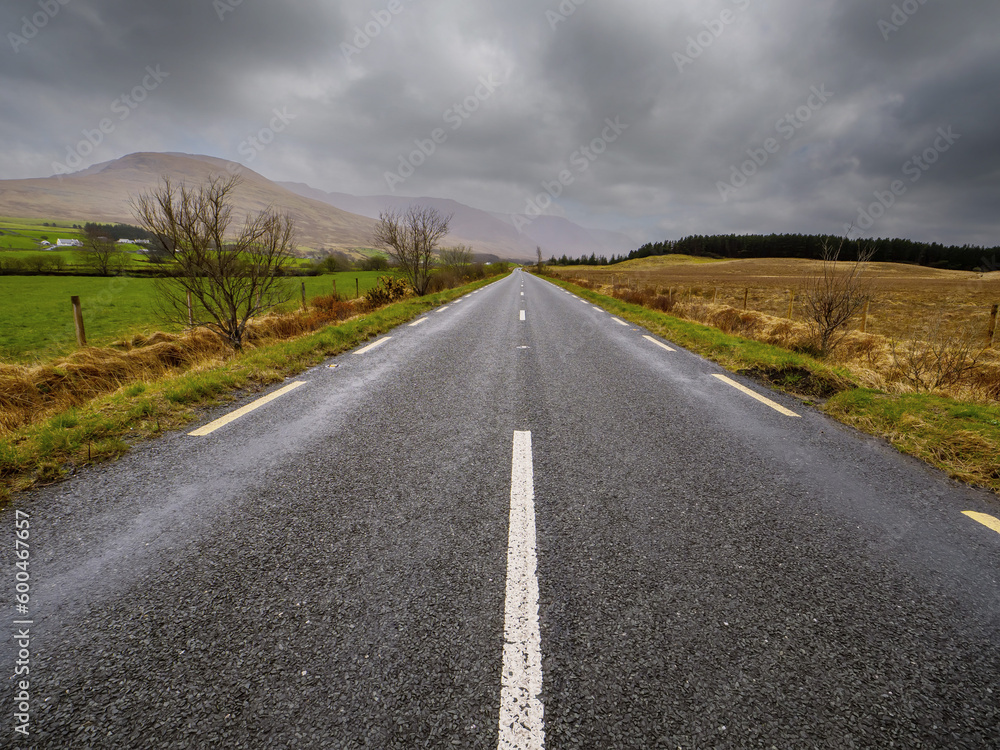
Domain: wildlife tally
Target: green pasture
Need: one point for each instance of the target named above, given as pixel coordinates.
(36, 320)
(27, 234)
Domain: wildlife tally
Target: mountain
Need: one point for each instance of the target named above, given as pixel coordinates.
(101, 194)
(486, 231)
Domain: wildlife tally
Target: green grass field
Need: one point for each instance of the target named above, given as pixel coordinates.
(27, 234)
(36, 321)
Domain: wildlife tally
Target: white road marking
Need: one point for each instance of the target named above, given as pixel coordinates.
(373, 346)
(777, 407)
(522, 294)
(522, 314)
(599, 309)
(521, 712)
(232, 416)
(619, 322)
(442, 309)
(415, 323)
(659, 343)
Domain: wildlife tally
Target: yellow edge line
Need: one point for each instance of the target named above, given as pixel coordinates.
(232, 416)
(659, 343)
(777, 407)
(372, 346)
(988, 521)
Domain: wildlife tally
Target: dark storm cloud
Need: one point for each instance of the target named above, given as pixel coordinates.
(710, 94)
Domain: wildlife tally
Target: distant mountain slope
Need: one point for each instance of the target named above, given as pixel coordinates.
(487, 231)
(101, 193)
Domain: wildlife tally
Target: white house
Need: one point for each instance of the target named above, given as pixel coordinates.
(69, 243)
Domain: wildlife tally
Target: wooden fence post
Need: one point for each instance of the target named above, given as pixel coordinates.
(81, 336)
(715, 296)
(334, 287)
(357, 288)
(993, 326)
(864, 316)
(303, 295)
(746, 297)
(791, 301)
(190, 310)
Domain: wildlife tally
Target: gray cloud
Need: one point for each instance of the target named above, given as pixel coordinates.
(563, 69)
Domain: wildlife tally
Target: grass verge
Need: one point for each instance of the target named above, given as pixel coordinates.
(106, 427)
(958, 437)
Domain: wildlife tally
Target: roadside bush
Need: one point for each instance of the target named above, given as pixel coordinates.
(332, 307)
(941, 360)
(662, 302)
(442, 279)
(38, 263)
(388, 290)
(374, 263)
(11, 265)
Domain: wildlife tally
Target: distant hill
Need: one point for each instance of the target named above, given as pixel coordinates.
(101, 194)
(338, 221)
(487, 231)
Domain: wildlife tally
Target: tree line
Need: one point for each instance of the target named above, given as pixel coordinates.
(932, 254)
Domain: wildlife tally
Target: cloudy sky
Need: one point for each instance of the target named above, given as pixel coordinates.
(654, 117)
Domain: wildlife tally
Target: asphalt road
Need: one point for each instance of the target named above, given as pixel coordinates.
(330, 570)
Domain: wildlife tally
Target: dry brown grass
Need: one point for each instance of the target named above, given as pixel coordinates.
(925, 333)
(909, 297)
(29, 393)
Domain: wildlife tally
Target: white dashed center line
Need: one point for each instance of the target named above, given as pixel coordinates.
(619, 322)
(521, 712)
(415, 323)
(522, 314)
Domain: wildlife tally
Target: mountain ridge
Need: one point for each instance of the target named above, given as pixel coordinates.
(323, 220)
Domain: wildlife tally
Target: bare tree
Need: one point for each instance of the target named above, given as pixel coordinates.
(101, 254)
(540, 267)
(456, 259)
(230, 278)
(411, 237)
(838, 293)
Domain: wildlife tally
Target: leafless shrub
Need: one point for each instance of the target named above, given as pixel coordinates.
(662, 302)
(940, 360)
(837, 294)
